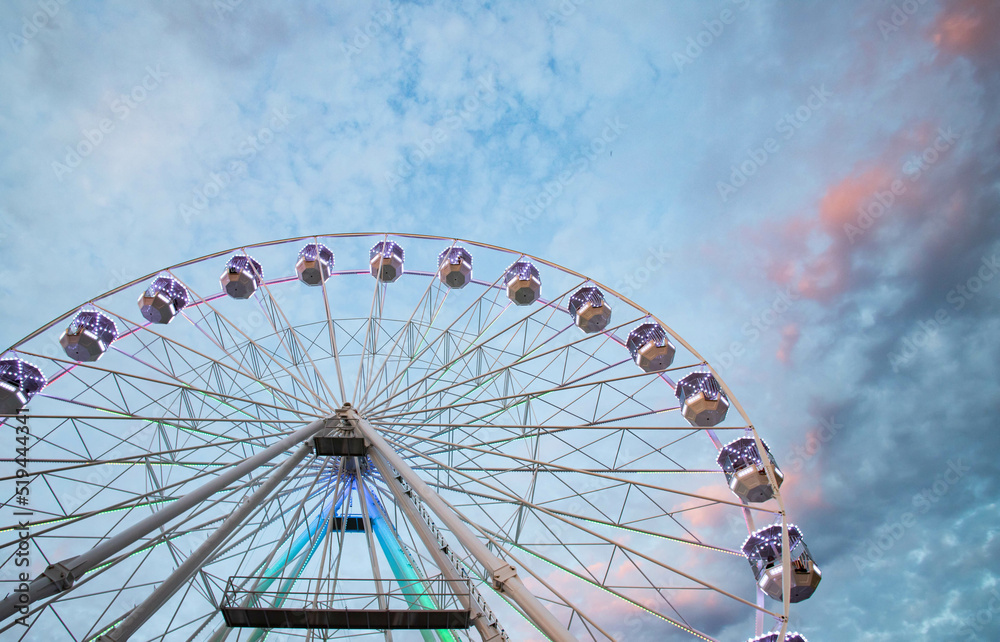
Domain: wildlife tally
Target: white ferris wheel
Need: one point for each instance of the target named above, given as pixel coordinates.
(385, 437)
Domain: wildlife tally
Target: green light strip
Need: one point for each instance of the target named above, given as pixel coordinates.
(659, 536)
(465, 352)
(611, 593)
(113, 625)
(147, 547)
(224, 403)
(195, 430)
(107, 564)
(156, 463)
(486, 383)
(69, 518)
(472, 573)
(184, 428)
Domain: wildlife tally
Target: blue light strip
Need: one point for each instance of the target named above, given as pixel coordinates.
(406, 575)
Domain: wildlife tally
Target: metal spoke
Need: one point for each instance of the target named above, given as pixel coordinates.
(331, 402)
(318, 398)
(146, 329)
(333, 339)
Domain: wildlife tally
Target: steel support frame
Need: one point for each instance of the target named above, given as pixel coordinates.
(503, 574)
(487, 631)
(62, 575)
(141, 613)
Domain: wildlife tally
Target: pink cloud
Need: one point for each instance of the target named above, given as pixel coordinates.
(840, 203)
(789, 338)
(713, 516)
(968, 28)
(815, 253)
(808, 493)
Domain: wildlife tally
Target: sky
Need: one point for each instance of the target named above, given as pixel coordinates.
(805, 191)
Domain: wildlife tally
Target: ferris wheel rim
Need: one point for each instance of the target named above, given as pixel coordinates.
(454, 240)
(385, 235)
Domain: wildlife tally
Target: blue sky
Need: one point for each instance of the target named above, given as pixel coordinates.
(806, 191)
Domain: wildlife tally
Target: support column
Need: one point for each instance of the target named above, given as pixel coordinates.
(190, 566)
(62, 575)
(503, 574)
(488, 632)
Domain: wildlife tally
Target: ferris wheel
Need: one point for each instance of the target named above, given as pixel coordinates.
(386, 437)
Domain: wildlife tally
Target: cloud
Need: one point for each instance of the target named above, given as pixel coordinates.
(968, 28)
(360, 112)
(789, 338)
